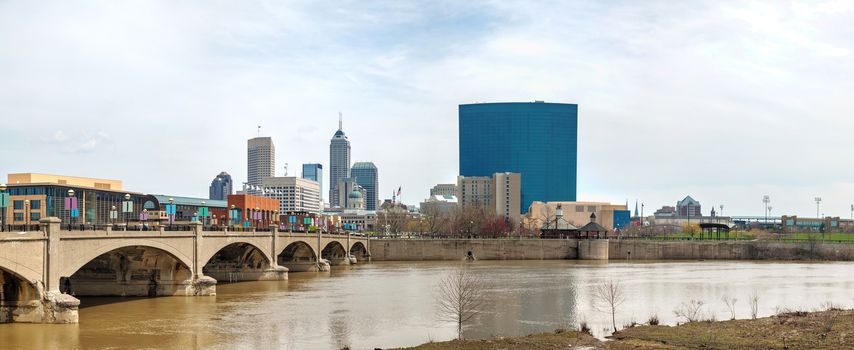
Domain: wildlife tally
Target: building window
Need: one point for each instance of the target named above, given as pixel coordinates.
(591, 208)
(579, 209)
(35, 216)
(18, 204)
(19, 217)
(35, 204)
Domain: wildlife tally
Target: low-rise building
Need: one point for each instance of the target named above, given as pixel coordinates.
(577, 214)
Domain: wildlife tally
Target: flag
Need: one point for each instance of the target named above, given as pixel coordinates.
(398, 191)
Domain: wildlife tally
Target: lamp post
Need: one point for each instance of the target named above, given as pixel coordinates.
(232, 215)
(27, 215)
(213, 222)
(817, 206)
(4, 203)
(143, 219)
(203, 214)
(113, 215)
(70, 205)
(767, 200)
(258, 217)
(558, 216)
(171, 213)
(127, 208)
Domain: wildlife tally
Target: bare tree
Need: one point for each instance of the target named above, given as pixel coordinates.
(461, 294)
(690, 311)
(607, 297)
(730, 303)
(754, 305)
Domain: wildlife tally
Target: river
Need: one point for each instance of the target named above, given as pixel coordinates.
(385, 304)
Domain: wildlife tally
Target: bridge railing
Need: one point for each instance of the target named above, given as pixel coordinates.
(20, 228)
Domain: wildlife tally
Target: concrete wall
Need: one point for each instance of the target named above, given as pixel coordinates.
(729, 250)
(483, 249)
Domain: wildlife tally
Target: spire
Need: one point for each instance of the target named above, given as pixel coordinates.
(339, 121)
(636, 208)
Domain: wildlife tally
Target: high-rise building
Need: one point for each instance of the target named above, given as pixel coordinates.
(339, 165)
(688, 207)
(499, 193)
(314, 172)
(444, 190)
(347, 186)
(538, 140)
(293, 193)
(220, 187)
(365, 174)
(261, 160)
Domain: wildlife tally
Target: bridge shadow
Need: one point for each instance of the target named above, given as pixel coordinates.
(87, 302)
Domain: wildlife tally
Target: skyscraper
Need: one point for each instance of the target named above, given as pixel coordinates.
(261, 160)
(538, 140)
(339, 164)
(220, 187)
(314, 172)
(366, 176)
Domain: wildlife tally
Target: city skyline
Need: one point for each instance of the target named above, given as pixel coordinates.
(756, 104)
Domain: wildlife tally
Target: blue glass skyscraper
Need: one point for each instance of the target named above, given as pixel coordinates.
(537, 139)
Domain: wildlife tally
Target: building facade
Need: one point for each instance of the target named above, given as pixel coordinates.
(688, 207)
(538, 140)
(221, 187)
(314, 172)
(260, 160)
(252, 211)
(444, 190)
(339, 165)
(365, 174)
(293, 193)
(499, 193)
(544, 215)
(347, 186)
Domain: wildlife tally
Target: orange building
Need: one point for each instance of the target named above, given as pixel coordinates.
(258, 211)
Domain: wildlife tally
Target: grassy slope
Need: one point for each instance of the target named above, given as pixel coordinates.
(819, 330)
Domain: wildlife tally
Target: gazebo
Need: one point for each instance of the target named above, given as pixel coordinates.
(592, 229)
(559, 228)
(713, 229)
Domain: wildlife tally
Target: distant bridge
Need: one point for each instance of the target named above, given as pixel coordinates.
(41, 270)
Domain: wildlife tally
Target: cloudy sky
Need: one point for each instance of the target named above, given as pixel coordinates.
(726, 101)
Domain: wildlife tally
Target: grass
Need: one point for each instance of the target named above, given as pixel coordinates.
(832, 329)
(804, 236)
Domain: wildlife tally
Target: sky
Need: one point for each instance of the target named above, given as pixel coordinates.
(725, 101)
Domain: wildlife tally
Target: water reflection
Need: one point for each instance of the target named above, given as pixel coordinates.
(393, 304)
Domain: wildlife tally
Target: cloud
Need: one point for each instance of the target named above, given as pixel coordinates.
(723, 101)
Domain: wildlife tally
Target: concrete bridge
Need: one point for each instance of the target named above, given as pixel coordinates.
(42, 272)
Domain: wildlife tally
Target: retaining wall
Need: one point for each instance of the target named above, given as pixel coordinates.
(482, 249)
(729, 250)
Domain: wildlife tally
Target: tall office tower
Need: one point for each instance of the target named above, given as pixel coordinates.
(538, 140)
(314, 172)
(220, 187)
(339, 165)
(366, 176)
(261, 160)
(499, 193)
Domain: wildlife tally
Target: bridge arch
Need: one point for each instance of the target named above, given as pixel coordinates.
(298, 256)
(73, 262)
(16, 293)
(358, 250)
(212, 248)
(237, 261)
(28, 274)
(133, 270)
(335, 253)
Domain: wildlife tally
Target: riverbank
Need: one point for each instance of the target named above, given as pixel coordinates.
(797, 330)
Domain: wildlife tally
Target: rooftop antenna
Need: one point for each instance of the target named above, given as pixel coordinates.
(259, 131)
(339, 121)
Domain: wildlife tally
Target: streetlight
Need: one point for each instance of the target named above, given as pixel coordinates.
(127, 208)
(27, 215)
(214, 220)
(143, 217)
(232, 215)
(767, 200)
(817, 206)
(258, 216)
(113, 215)
(558, 216)
(171, 212)
(70, 205)
(4, 203)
